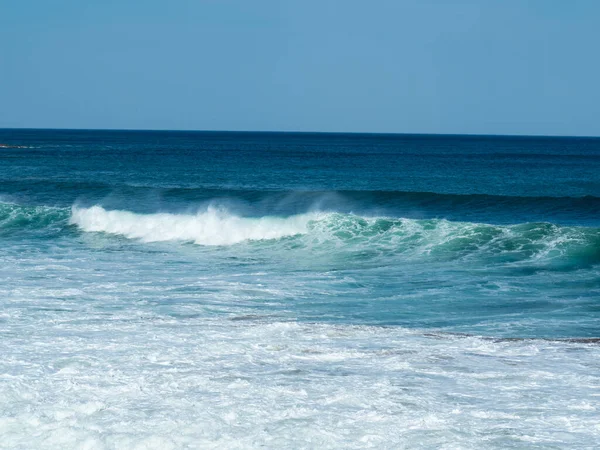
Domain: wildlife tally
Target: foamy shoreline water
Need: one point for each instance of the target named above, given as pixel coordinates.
(149, 382)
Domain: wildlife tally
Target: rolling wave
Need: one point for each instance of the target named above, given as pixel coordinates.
(430, 239)
(436, 239)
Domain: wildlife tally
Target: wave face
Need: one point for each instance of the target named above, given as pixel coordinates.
(16, 219)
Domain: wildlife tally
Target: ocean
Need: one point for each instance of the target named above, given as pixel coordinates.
(167, 290)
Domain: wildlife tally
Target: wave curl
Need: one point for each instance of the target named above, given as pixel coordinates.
(212, 227)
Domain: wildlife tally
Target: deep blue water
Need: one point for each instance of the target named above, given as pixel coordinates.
(106, 233)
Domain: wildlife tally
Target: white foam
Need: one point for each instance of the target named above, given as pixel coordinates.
(118, 349)
(215, 383)
(211, 227)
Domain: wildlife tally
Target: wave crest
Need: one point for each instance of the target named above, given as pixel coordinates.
(432, 239)
(211, 227)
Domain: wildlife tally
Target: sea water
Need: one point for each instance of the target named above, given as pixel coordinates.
(166, 290)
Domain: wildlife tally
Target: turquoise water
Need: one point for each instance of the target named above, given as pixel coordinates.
(194, 290)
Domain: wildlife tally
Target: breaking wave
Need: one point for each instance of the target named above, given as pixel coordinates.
(212, 227)
(437, 239)
(430, 239)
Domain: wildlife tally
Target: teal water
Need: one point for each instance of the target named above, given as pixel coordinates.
(328, 290)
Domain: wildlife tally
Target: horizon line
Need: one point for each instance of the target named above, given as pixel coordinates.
(307, 132)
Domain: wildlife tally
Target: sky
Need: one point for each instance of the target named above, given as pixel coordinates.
(397, 66)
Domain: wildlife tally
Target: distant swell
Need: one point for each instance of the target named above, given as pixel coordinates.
(478, 207)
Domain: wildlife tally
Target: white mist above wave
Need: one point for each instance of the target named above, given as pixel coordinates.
(211, 227)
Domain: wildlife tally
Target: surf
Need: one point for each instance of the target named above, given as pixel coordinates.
(211, 227)
(323, 231)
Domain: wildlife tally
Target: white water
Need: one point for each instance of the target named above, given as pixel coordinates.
(212, 227)
(146, 381)
(100, 353)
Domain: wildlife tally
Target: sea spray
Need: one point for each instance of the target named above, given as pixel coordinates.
(211, 227)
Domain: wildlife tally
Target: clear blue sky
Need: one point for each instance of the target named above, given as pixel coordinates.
(406, 66)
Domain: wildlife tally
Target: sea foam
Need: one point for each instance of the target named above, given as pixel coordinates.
(210, 227)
